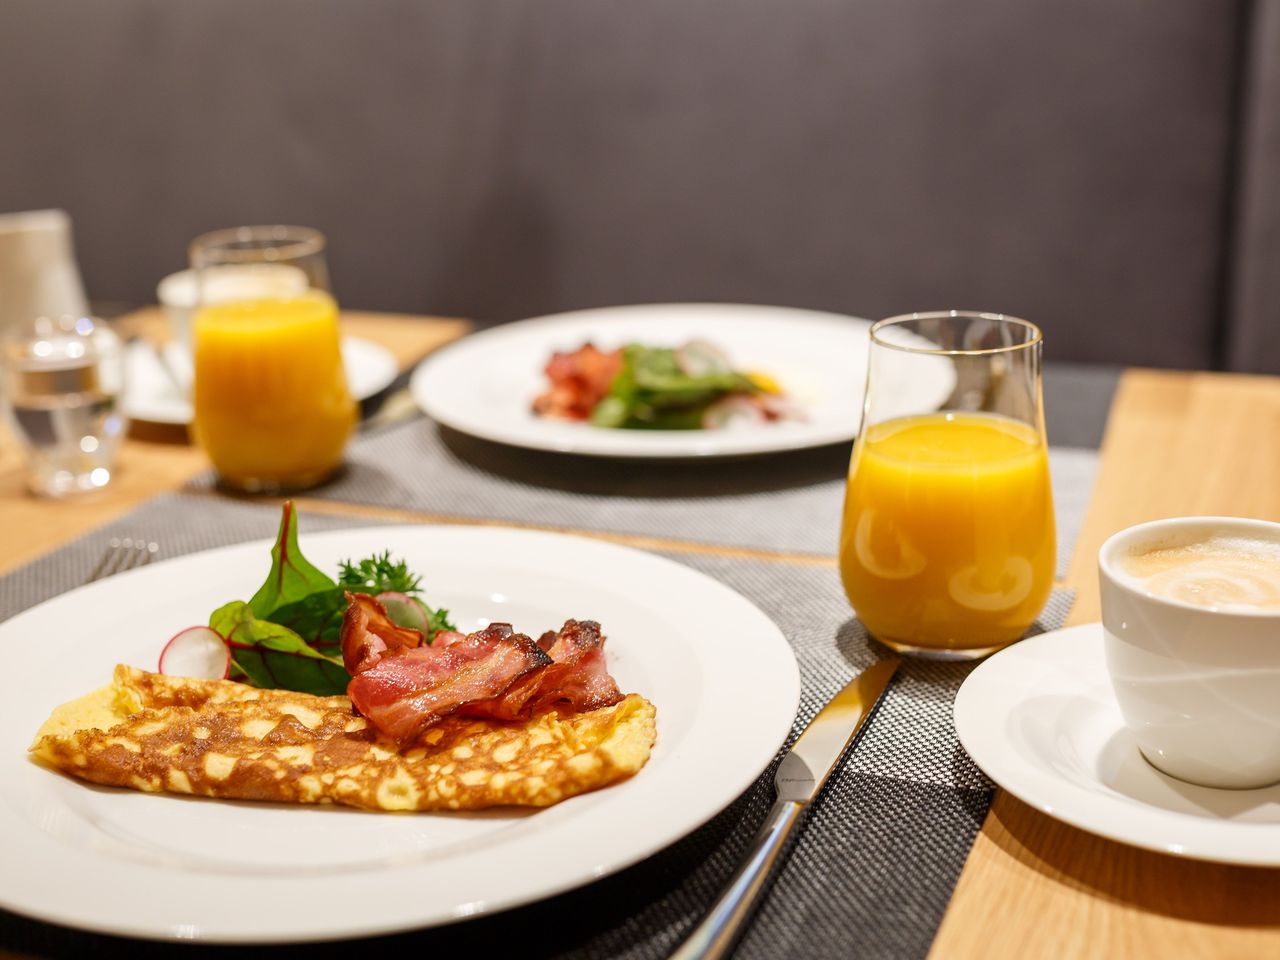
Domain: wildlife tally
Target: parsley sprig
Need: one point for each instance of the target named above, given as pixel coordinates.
(378, 574)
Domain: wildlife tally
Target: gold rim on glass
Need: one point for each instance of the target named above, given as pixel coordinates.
(1033, 332)
(257, 244)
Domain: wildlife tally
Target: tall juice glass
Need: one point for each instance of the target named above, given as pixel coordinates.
(272, 407)
(947, 545)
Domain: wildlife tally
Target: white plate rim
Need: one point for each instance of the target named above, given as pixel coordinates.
(433, 387)
(371, 368)
(775, 701)
(982, 709)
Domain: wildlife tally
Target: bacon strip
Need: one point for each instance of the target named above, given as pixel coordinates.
(577, 679)
(404, 694)
(586, 686)
(368, 634)
(402, 686)
(580, 677)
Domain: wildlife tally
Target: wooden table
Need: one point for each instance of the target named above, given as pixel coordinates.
(1176, 443)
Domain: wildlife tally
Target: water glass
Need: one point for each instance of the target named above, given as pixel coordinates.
(947, 545)
(61, 379)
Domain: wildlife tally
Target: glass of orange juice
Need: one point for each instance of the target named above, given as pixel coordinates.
(272, 407)
(947, 545)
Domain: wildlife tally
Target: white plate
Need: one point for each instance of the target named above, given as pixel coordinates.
(153, 396)
(484, 384)
(722, 676)
(1040, 718)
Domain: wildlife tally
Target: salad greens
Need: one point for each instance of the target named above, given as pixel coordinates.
(287, 635)
(662, 388)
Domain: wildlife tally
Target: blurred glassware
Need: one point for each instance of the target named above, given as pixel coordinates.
(947, 548)
(272, 405)
(61, 379)
(38, 273)
(180, 293)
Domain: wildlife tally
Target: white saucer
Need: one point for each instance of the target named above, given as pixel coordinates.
(1040, 719)
(154, 395)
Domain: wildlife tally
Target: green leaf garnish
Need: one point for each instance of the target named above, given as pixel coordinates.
(291, 577)
(317, 617)
(287, 636)
(271, 655)
(378, 574)
(437, 620)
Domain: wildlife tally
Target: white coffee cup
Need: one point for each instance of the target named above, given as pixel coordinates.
(1199, 686)
(180, 293)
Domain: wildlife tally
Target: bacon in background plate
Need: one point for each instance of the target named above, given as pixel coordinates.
(579, 380)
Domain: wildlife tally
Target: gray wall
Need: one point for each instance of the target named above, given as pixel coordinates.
(1253, 317)
(1077, 162)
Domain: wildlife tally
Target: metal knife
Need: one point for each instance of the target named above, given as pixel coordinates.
(801, 775)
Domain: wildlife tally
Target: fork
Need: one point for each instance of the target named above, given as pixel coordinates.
(123, 554)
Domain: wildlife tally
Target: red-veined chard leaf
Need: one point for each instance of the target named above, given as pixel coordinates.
(317, 617)
(292, 577)
(271, 655)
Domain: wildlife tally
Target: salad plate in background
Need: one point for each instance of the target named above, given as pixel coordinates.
(485, 385)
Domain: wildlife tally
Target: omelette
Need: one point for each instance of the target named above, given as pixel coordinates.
(220, 738)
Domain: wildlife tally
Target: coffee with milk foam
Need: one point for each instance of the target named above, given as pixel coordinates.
(1223, 572)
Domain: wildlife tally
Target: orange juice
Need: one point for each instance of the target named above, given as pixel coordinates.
(948, 535)
(272, 408)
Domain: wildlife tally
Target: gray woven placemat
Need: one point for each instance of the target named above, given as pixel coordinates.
(790, 503)
(870, 874)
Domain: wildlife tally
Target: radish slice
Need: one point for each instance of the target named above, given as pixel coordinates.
(732, 411)
(405, 611)
(778, 407)
(196, 652)
(697, 358)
